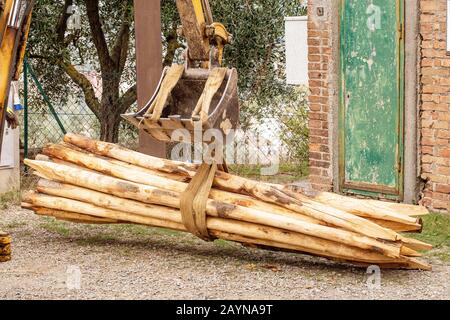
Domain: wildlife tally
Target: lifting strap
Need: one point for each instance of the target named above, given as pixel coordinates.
(194, 199)
(212, 85)
(171, 79)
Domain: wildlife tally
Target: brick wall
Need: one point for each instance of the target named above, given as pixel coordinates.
(320, 59)
(434, 99)
(435, 105)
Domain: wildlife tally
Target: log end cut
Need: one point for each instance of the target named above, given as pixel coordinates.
(5, 247)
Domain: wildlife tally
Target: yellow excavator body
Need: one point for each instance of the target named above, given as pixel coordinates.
(15, 20)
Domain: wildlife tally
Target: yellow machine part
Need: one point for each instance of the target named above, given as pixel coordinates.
(4, 15)
(198, 8)
(13, 40)
(22, 47)
(8, 41)
(200, 31)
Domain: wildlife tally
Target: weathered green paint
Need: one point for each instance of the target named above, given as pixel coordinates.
(371, 111)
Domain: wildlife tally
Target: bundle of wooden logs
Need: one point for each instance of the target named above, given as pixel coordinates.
(5, 247)
(88, 181)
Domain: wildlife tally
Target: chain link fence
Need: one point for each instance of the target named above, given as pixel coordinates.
(275, 148)
(45, 121)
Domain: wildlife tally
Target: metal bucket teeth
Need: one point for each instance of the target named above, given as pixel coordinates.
(184, 98)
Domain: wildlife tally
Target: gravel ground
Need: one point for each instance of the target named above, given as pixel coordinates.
(134, 262)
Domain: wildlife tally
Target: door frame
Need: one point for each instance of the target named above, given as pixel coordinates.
(370, 190)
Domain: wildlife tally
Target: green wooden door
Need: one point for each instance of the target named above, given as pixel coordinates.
(371, 109)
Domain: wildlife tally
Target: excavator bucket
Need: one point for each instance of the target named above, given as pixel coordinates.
(186, 98)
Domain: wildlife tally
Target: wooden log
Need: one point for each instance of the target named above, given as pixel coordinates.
(408, 252)
(71, 216)
(184, 172)
(358, 207)
(410, 264)
(106, 167)
(319, 211)
(387, 218)
(154, 195)
(115, 203)
(5, 247)
(262, 192)
(415, 244)
(247, 201)
(168, 166)
(108, 201)
(123, 154)
(405, 263)
(401, 208)
(278, 237)
(369, 207)
(117, 152)
(69, 205)
(215, 194)
(399, 227)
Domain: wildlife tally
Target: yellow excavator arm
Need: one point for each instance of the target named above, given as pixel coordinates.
(202, 33)
(200, 94)
(15, 20)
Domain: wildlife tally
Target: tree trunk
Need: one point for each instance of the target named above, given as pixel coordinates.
(109, 124)
(110, 106)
